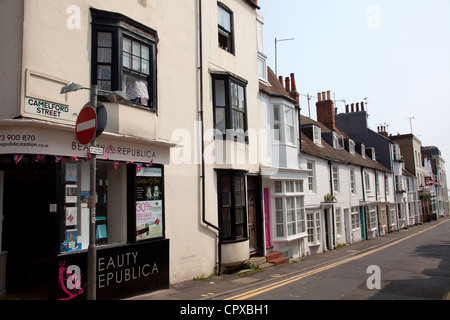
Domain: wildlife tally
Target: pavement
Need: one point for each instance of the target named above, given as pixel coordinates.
(218, 287)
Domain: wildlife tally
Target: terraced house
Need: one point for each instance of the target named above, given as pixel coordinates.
(174, 78)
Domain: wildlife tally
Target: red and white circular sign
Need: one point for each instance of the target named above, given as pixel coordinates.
(86, 125)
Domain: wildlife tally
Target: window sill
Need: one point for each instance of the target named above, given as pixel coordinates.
(291, 238)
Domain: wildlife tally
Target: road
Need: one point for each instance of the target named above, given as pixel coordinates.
(413, 267)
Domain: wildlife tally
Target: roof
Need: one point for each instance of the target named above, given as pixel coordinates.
(275, 88)
(328, 152)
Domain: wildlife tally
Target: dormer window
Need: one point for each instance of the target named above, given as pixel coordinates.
(351, 147)
(363, 151)
(317, 138)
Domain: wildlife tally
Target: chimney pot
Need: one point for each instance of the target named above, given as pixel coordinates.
(293, 84)
(362, 106)
(328, 95)
(288, 84)
(353, 107)
(280, 78)
(324, 96)
(346, 108)
(357, 106)
(319, 97)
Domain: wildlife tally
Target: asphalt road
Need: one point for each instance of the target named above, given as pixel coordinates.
(414, 267)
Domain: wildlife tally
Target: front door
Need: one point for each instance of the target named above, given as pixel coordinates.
(255, 228)
(27, 231)
(267, 216)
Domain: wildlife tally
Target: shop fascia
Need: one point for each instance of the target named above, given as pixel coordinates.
(36, 137)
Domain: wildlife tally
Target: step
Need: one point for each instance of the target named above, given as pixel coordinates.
(276, 258)
(273, 255)
(279, 261)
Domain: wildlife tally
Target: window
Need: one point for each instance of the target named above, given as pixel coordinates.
(262, 66)
(289, 208)
(392, 215)
(225, 28)
(338, 221)
(386, 184)
(372, 217)
(111, 205)
(356, 222)
(351, 146)
(276, 122)
(232, 205)
(313, 220)
(310, 167)
(317, 135)
(335, 178)
(230, 106)
(124, 57)
(352, 181)
(289, 125)
(367, 182)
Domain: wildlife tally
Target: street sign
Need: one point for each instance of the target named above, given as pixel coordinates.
(96, 150)
(86, 125)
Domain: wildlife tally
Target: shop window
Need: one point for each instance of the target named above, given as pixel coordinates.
(230, 106)
(124, 57)
(232, 205)
(111, 204)
(120, 189)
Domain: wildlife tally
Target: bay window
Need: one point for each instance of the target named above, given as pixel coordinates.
(124, 58)
(230, 106)
(289, 209)
(232, 204)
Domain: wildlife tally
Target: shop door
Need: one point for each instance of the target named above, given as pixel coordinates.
(26, 233)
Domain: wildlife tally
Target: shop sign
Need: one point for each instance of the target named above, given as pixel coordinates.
(122, 271)
(50, 109)
(17, 139)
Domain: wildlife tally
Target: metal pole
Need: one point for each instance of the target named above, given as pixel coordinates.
(92, 250)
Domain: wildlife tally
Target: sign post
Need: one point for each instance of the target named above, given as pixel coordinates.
(92, 249)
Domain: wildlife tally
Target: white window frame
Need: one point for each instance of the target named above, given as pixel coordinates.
(313, 228)
(335, 171)
(317, 135)
(290, 220)
(311, 176)
(371, 211)
(355, 217)
(352, 181)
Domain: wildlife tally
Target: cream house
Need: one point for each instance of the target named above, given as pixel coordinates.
(164, 213)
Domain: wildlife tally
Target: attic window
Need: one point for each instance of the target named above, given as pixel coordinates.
(317, 139)
(351, 146)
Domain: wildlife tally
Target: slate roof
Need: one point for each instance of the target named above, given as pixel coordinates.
(328, 152)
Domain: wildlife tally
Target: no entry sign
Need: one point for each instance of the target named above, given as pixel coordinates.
(86, 125)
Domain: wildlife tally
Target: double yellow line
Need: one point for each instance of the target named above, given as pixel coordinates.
(281, 283)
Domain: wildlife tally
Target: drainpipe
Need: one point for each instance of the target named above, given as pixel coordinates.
(299, 129)
(208, 224)
(332, 206)
(364, 200)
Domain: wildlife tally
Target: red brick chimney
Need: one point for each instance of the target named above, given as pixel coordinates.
(294, 93)
(325, 110)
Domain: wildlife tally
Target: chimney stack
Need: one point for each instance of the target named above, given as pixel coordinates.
(325, 110)
(294, 93)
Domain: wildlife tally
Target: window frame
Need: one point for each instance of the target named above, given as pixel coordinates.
(122, 27)
(229, 34)
(233, 234)
(313, 228)
(230, 133)
(281, 219)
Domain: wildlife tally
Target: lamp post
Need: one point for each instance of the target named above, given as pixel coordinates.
(116, 96)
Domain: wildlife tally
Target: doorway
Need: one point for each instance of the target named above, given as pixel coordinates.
(254, 214)
(27, 231)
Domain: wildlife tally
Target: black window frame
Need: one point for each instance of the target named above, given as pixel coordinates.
(230, 131)
(232, 235)
(122, 27)
(222, 32)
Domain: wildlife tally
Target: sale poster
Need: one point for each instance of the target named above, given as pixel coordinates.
(149, 204)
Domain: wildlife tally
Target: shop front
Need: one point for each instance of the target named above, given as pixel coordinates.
(45, 194)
